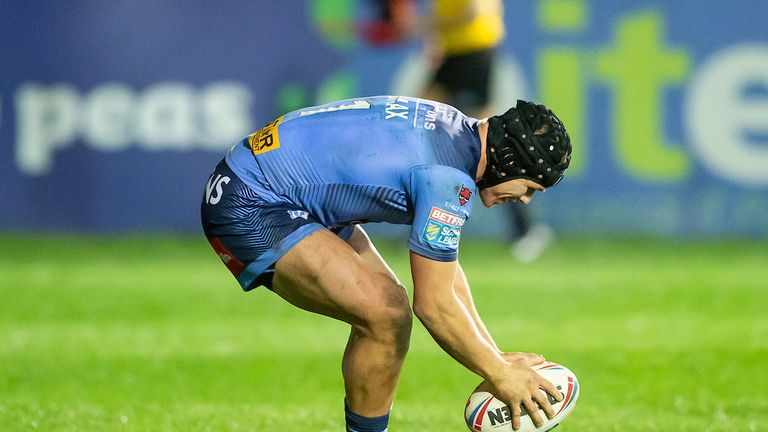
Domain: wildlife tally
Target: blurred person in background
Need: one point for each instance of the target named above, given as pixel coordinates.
(462, 37)
(392, 22)
(284, 207)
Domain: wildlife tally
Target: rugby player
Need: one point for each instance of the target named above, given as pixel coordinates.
(283, 210)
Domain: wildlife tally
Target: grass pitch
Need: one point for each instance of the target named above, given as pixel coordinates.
(146, 333)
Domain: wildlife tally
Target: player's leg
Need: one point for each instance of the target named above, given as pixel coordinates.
(325, 275)
(321, 273)
(519, 220)
(473, 87)
(529, 240)
(361, 243)
(364, 247)
(438, 87)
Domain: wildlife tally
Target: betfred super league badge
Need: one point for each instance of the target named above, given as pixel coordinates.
(443, 229)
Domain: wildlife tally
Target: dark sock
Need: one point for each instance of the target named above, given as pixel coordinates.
(358, 423)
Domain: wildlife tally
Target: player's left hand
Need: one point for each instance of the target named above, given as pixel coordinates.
(528, 359)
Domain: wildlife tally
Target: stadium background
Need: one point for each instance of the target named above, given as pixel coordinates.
(114, 313)
(115, 106)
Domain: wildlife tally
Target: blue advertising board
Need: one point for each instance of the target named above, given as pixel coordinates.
(113, 113)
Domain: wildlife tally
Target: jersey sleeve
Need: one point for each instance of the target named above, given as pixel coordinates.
(442, 202)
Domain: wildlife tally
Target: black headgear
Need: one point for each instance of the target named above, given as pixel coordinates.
(528, 141)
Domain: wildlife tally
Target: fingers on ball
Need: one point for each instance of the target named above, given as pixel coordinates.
(533, 411)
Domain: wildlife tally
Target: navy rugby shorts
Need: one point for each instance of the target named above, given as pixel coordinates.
(468, 78)
(250, 233)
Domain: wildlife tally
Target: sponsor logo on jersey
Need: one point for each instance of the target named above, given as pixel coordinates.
(229, 259)
(215, 184)
(443, 228)
(295, 214)
(464, 195)
(446, 217)
(429, 115)
(432, 231)
(266, 138)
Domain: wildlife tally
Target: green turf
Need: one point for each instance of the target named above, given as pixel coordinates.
(151, 333)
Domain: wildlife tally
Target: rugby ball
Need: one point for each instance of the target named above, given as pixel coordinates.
(485, 413)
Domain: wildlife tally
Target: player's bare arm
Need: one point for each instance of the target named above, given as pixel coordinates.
(441, 311)
(461, 288)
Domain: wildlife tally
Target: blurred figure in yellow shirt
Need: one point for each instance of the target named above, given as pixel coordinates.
(465, 34)
(463, 26)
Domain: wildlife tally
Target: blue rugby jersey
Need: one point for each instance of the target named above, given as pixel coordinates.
(376, 159)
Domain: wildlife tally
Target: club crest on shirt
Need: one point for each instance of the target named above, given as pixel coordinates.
(464, 195)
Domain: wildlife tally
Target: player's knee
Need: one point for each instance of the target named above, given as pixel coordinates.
(394, 313)
(399, 314)
(391, 318)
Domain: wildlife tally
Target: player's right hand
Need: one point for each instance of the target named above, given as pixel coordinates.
(519, 386)
(528, 359)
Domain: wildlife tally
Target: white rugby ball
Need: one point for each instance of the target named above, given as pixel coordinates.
(485, 413)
